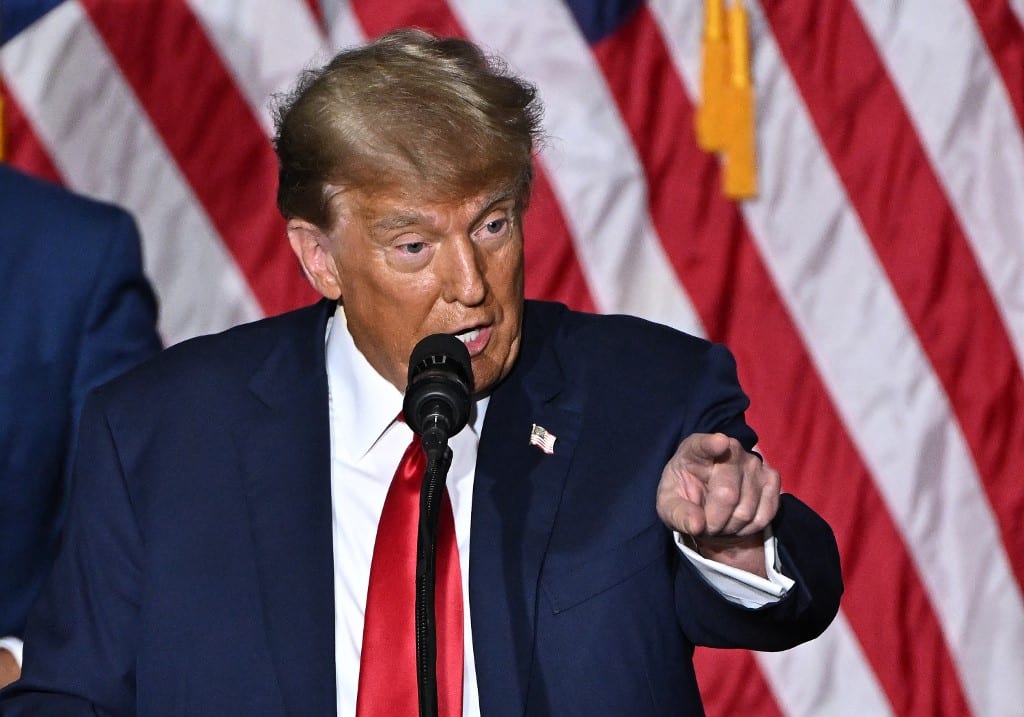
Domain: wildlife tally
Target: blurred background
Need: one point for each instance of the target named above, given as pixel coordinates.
(872, 290)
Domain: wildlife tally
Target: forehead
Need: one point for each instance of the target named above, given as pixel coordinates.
(394, 209)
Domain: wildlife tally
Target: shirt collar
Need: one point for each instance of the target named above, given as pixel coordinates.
(364, 404)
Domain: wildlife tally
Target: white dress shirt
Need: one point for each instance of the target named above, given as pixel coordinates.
(14, 646)
(367, 444)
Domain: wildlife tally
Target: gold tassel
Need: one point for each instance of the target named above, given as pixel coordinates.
(740, 146)
(714, 78)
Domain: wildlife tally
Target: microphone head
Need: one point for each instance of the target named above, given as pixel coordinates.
(440, 385)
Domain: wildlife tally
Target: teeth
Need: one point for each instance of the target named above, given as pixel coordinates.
(468, 336)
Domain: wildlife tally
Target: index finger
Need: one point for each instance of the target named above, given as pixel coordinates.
(706, 447)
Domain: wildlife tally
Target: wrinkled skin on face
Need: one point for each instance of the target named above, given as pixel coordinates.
(406, 268)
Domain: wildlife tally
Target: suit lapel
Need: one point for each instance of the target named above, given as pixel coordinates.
(284, 444)
(285, 451)
(516, 494)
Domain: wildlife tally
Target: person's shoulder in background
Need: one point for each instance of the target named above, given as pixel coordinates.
(76, 310)
(73, 293)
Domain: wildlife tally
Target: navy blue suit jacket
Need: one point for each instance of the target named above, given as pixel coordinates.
(76, 310)
(197, 576)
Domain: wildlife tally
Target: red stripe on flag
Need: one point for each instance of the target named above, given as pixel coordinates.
(21, 145)
(651, 117)
(730, 686)
(1004, 36)
(917, 237)
(318, 13)
(739, 305)
(434, 16)
(552, 268)
(213, 135)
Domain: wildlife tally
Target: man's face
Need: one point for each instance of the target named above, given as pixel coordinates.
(406, 269)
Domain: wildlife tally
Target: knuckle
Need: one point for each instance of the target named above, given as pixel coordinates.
(744, 513)
(725, 492)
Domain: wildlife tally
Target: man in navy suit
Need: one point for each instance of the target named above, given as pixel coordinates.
(608, 511)
(76, 311)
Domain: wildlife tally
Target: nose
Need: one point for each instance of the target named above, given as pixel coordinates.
(463, 276)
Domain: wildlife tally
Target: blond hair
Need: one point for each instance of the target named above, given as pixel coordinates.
(412, 112)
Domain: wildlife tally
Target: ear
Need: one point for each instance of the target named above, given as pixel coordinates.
(312, 247)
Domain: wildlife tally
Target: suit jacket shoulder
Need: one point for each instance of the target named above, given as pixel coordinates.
(569, 556)
(204, 484)
(625, 361)
(76, 310)
(215, 368)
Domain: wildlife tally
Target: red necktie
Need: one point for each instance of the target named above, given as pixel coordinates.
(387, 667)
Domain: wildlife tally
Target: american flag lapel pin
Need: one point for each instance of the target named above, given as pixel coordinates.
(543, 439)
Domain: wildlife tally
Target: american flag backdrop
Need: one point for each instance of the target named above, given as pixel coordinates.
(873, 292)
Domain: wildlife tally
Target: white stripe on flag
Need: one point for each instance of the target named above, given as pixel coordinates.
(681, 26)
(264, 43)
(966, 123)
(1018, 9)
(345, 29)
(854, 326)
(594, 168)
(827, 676)
(58, 69)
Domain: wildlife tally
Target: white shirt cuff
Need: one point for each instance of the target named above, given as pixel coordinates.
(739, 586)
(14, 646)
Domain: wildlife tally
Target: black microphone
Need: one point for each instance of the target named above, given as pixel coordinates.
(436, 406)
(437, 398)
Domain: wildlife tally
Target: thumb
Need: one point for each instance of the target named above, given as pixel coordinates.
(680, 514)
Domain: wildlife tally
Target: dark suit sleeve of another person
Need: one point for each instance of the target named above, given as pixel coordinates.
(81, 640)
(154, 605)
(77, 310)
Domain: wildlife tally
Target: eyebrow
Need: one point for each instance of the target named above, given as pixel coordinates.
(397, 221)
(403, 219)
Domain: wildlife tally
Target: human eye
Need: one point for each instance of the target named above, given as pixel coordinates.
(412, 247)
(409, 251)
(495, 227)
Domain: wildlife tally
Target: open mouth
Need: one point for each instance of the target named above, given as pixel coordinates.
(468, 337)
(475, 339)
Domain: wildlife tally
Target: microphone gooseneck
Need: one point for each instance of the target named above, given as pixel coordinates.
(436, 406)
